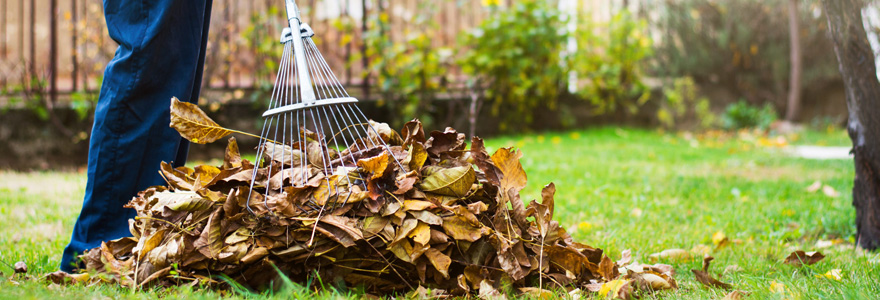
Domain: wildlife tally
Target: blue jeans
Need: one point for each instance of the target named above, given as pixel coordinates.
(161, 55)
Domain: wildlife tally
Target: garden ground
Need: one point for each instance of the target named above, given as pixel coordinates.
(618, 189)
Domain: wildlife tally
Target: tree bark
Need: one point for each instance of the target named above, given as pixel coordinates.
(859, 73)
(794, 92)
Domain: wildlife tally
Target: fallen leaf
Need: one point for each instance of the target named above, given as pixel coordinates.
(611, 289)
(735, 295)
(455, 181)
(814, 187)
(706, 279)
(831, 274)
(439, 260)
(776, 287)
(20, 267)
(193, 124)
(799, 258)
(671, 254)
(830, 191)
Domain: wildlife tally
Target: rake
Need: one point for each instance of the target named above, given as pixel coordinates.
(313, 130)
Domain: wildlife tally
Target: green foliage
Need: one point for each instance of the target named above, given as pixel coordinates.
(742, 46)
(409, 73)
(744, 115)
(516, 54)
(267, 53)
(611, 61)
(682, 100)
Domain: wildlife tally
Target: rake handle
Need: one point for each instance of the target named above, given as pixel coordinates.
(305, 81)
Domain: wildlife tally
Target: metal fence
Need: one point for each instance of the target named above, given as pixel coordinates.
(60, 47)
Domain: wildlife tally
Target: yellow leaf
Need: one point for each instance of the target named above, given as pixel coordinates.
(375, 165)
(611, 288)
(777, 287)
(421, 234)
(416, 205)
(718, 238)
(832, 274)
(193, 124)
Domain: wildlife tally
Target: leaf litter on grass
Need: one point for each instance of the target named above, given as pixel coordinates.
(447, 217)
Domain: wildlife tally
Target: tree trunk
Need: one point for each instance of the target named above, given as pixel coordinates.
(863, 102)
(794, 92)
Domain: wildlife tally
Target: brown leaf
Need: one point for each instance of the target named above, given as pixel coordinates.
(283, 154)
(20, 267)
(382, 130)
(427, 217)
(706, 279)
(445, 142)
(484, 162)
(514, 179)
(608, 269)
(61, 277)
(341, 229)
(412, 133)
(176, 179)
(210, 242)
(232, 157)
(800, 258)
(460, 229)
(193, 124)
(439, 260)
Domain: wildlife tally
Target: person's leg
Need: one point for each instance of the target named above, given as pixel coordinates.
(160, 55)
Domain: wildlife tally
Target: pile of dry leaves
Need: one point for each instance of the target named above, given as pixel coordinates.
(447, 217)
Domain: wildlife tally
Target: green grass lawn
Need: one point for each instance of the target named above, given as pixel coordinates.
(617, 189)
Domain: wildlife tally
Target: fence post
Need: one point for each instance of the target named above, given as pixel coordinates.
(3, 12)
(32, 67)
(53, 52)
(365, 61)
(74, 46)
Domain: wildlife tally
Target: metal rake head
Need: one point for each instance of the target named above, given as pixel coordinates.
(313, 132)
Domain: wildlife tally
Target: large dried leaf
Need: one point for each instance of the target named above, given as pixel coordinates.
(449, 181)
(182, 201)
(193, 124)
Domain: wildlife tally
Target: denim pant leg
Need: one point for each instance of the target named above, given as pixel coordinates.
(161, 55)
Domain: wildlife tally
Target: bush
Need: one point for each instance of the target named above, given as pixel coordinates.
(611, 62)
(409, 74)
(517, 55)
(680, 101)
(744, 115)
